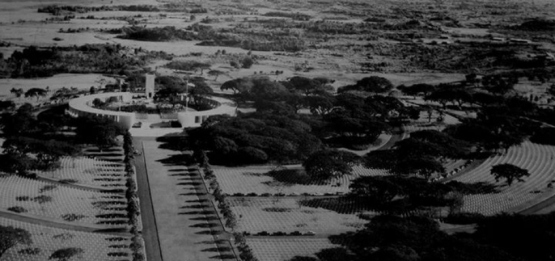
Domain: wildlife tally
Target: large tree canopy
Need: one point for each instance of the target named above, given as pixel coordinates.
(46, 152)
(372, 84)
(327, 164)
(421, 154)
(255, 138)
(98, 131)
(10, 237)
(509, 172)
(393, 238)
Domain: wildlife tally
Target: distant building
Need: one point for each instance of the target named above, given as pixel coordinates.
(516, 40)
(149, 86)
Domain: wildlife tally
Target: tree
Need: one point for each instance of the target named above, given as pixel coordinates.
(21, 123)
(234, 64)
(320, 104)
(417, 89)
(200, 91)
(35, 92)
(10, 237)
(241, 85)
(247, 62)
(375, 190)
(372, 84)
(544, 136)
(215, 73)
(509, 172)
(46, 152)
(7, 105)
(98, 131)
(65, 254)
(327, 164)
(98, 103)
(498, 84)
(303, 84)
(350, 128)
(17, 92)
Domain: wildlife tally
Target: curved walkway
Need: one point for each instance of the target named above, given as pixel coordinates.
(63, 224)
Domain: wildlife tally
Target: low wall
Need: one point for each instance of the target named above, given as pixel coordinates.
(196, 118)
(82, 106)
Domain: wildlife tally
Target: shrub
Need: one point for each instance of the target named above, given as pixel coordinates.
(545, 136)
(66, 254)
(138, 257)
(29, 251)
(17, 209)
(247, 62)
(22, 198)
(72, 217)
(464, 218)
(42, 199)
(47, 188)
(136, 244)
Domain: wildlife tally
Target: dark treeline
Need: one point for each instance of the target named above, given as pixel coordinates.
(49, 137)
(501, 237)
(34, 62)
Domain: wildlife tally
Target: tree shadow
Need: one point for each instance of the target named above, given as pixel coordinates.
(178, 160)
(218, 241)
(342, 205)
(205, 225)
(189, 183)
(173, 141)
(192, 194)
(206, 218)
(204, 212)
(475, 188)
(209, 232)
(195, 206)
(217, 249)
(201, 200)
(181, 170)
(180, 174)
(223, 256)
(291, 176)
(190, 178)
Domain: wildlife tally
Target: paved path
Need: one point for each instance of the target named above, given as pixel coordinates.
(183, 220)
(51, 222)
(150, 231)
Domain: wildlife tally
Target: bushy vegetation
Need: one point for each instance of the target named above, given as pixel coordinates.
(294, 16)
(11, 237)
(91, 58)
(161, 34)
(255, 139)
(39, 142)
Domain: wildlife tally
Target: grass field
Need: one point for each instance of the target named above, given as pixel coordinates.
(289, 215)
(256, 180)
(283, 248)
(46, 240)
